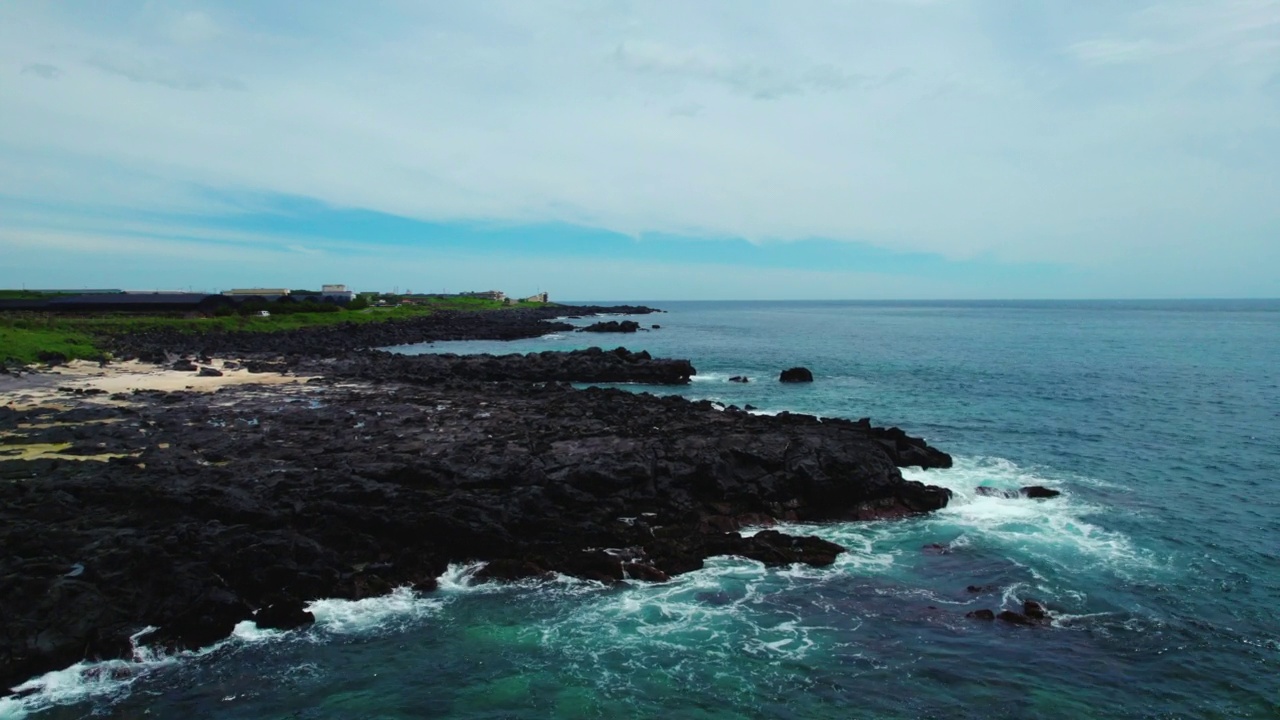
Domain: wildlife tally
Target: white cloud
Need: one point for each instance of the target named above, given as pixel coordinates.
(935, 127)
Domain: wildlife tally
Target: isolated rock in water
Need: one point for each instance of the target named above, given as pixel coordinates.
(210, 372)
(1034, 610)
(1030, 491)
(1034, 614)
(796, 375)
(1037, 491)
(656, 327)
(626, 326)
(739, 379)
(983, 614)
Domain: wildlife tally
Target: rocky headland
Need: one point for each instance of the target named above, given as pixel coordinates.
(192, 511)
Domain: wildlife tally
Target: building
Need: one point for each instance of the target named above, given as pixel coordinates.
(539, 298)
(122, 302)
(486, 295)
(336, 293)
(257, 293)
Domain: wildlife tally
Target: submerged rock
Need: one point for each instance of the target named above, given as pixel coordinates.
(1030, 491)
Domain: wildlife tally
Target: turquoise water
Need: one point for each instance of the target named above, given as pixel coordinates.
(1159, 421)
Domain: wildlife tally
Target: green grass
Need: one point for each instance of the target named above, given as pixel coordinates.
(21, 345)
(26, 295)
(24, 335)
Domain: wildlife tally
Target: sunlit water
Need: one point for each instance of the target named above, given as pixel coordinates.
(1159, 421)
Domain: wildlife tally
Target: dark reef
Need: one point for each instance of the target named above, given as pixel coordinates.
(202, 509)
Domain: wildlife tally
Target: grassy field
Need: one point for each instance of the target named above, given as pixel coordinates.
(25, 335)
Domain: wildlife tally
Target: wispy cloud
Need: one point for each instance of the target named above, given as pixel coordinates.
(758, 81)
(43, 70)
(1097, 135)
(162, 74)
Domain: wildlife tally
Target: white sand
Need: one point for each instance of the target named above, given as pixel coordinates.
(122, 377)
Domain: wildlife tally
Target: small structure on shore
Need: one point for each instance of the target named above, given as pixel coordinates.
(485, 295)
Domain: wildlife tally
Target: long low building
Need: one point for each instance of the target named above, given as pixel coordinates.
(122, 302)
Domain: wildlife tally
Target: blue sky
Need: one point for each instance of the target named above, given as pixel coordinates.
(655, 150)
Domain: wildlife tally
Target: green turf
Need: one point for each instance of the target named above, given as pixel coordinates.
(25, 345)
(24, 335)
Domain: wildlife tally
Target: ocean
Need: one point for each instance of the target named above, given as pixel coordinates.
(1159, 421)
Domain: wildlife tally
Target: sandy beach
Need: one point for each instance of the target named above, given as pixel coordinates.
(87, 381)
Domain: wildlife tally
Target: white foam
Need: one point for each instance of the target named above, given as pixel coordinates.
(723, 611)
(109, 681)
(394, 611)
(702, 377)
(458, 577)
(1051, 531)
(96, 681)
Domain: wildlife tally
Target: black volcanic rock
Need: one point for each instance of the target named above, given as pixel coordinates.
(796, 375)
(284, 614)
(592, 365)
(1029, 491)
(612, 326)
(389, 467)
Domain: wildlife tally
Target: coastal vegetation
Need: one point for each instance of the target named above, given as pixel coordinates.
(29, 337)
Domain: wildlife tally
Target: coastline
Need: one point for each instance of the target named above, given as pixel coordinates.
(351, 473)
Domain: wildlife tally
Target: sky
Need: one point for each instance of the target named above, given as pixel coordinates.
(647, 150)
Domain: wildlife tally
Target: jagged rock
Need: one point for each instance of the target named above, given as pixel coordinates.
(216, 508)
(284, 614)
(739, 379)
(641, 571)
(796, 375)
(184, 366)
(210, 372)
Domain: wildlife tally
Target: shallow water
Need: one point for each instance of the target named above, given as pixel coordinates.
(1159, 421)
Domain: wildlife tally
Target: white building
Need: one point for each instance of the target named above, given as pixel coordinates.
(336, 293)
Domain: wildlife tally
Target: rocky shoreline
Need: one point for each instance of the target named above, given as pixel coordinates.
(191, 511)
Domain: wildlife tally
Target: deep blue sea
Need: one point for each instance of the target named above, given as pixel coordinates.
(1159, 421)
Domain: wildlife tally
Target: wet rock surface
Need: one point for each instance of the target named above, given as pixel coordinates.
(192, 512)
(1035, 492)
